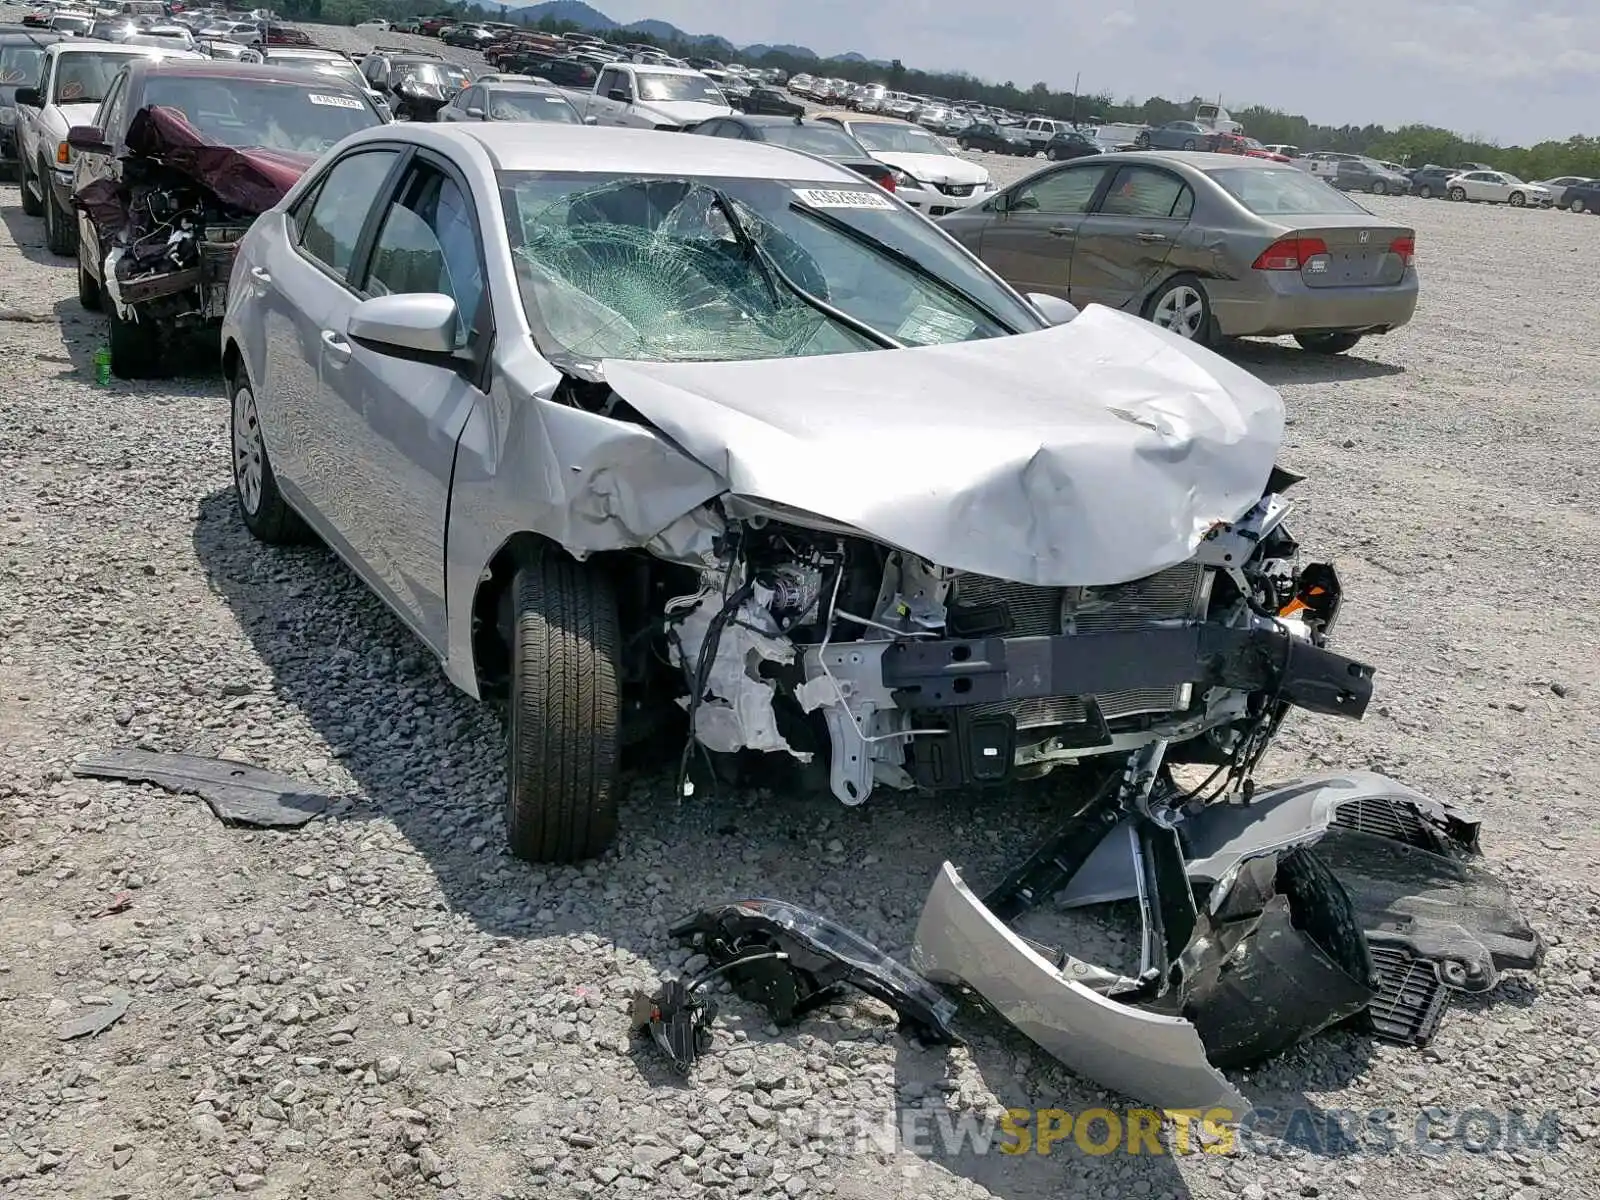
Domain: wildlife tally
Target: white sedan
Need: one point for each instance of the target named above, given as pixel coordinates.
(1497, 187)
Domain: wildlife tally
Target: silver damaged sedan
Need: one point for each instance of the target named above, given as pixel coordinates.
(713, 445)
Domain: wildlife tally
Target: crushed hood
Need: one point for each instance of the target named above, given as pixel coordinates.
(250, 179)
(1090, 453)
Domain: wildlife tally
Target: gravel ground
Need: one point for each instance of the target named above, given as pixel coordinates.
(384, 1004)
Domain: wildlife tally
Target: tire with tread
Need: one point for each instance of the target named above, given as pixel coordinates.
(30, 204)
(88, 286)
(1327, 343)
(273, 521)
(1458, 194)
(1577, 206)
(1425, 191)
(1517, 200)
(135, 353)
(60, 228)
(563, 729)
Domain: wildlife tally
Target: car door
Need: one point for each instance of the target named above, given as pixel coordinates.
(90, 167)
(1030, 242)
(403, 414)
(299, 286)
(1122, 244)
(610, 110)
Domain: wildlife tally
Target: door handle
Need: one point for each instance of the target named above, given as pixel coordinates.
(1151, 236)
(260, 275)
(1062, 231)
(337, 348)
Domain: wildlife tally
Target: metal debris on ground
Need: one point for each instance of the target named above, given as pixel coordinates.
(238, 794)
(102, 1018)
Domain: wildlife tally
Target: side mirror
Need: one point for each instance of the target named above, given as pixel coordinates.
(591, 120)
(474, 111)
(1053, 308)
(620, 95)
(28, 97)
(412, 323)
(88, 139)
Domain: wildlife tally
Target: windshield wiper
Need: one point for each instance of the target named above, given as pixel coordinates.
(903, 259)
(770, 270)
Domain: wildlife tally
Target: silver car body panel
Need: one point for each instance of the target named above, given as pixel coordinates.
(1135, 453)
(1141, 1054)
(1152, 1058)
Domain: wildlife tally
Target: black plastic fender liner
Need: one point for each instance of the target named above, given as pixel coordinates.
(792, 961)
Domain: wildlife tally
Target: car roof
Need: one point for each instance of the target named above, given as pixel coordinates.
(591, 150)
(302, 52)
(211, 68)
(845, 114)
(1195, 160)
(766, 119)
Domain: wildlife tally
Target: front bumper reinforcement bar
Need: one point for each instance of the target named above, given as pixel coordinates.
(955, 672)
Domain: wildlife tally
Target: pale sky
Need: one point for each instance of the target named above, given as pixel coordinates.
(1513, 72)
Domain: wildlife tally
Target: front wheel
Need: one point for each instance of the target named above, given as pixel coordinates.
(60, 229)
(1425, 192)
(1189, 144)
(31, 207)
(1577, 206)
(135, 351)
(964, 144)
(1379, 187)
(562, 736)
(1518, 200)
(88, 285)
(1458, 193)
(1327, 343)
(1182, 307)
(1052, 156)
(1142, 141)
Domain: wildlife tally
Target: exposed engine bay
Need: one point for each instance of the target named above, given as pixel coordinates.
(171, 224)
(905, 674)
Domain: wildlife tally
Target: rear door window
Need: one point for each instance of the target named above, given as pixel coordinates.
(1148, 192)
(330, 226)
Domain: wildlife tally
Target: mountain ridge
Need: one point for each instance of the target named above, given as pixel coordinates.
(591, 20)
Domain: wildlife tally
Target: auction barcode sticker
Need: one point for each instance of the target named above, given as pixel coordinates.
(335, 101)
(825, 198)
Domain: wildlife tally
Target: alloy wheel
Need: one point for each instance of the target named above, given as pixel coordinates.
(1181, 310)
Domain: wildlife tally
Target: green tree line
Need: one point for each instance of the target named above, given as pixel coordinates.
(1413, 145)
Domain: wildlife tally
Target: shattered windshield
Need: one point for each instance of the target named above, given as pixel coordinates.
(679, 87)
(234, 111)
(683, 270)
(882, 137)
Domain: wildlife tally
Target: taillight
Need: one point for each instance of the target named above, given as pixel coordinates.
(1290, 253)
(1406, 248)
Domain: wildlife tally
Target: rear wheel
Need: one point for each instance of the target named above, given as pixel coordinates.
(1425, 192)
(1189, 144)
(1052, 156)
(1181, 306)
(562, 735)
(266, 513)
(1518, 200)
(963, 144)
(1458, 193)
(1577, 206)
(30, 203)
(1379, 187)
(1142, 141)
(1327, 343)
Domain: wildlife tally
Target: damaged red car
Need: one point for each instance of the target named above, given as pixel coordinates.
(182, 157)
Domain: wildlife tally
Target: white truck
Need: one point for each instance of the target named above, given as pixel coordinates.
(641, 96)
(73, 79)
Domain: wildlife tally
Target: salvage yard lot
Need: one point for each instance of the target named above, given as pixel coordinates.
(385, 1004)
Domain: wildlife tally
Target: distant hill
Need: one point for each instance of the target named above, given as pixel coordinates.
(587, 17)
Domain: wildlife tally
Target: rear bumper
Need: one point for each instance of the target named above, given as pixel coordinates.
(1271, 303)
